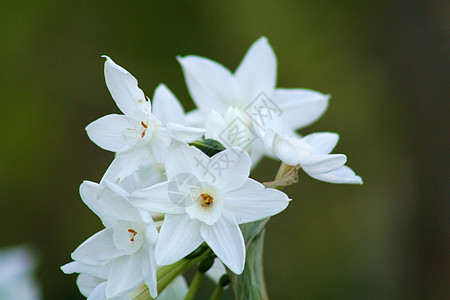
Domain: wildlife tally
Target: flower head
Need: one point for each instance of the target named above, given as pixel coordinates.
(205, 198)
(139, 134)
(251, 88)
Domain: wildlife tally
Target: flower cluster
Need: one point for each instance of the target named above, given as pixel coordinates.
(179, 187)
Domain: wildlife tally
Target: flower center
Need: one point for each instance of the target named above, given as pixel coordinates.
(206, 200)
(133, 232)
(145, 125)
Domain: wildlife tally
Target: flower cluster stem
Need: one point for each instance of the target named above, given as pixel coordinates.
(194, 285)
(217, 293)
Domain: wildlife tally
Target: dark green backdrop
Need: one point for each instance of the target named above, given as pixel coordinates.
(383, 62)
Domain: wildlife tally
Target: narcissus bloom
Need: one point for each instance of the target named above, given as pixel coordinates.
(140, 133)
(251, 88)
(205, 199)
(312, 152)
(126, 245)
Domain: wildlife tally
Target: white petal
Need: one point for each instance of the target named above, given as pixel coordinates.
(125, 275)
(300, 107)
(253, 202)
(282, 148)
(342, 175)
(179, 236)
(184, 133)
(149, 271)
(177, 290)
(124, 164)
(229, 169)
(322, 163)
(106, 204)
(99, 271)
(123, 87)
(157, 199)
(322, 142)
(166, 106)
(99, 248)
(210, 84)
(106, 132)
(258, 71)
(226, 241)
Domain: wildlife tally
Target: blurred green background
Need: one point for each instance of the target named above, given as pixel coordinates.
(385, 63)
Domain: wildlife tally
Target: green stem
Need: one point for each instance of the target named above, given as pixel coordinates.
(194, 285)
(217, 293)
(178, 270)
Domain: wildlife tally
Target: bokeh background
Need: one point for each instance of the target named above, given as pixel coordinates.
(385, 63)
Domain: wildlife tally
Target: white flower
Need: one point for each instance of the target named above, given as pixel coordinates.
(126, 245)
(93, 279)
(250, 88)
(215, 195)
(139, 133)
(17, 280)
(312, 153)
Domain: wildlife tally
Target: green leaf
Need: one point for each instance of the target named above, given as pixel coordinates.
(209, 146)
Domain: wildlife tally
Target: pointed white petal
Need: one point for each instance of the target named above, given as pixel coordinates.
(300, 107)
(149, 271)
(179, 236)
(342, 175)
(176, 290)
(99, 271)
(124, 164)
(322, 163)
(184, 133)
(226, 241)
(322, 142)
(166, 106)
(257, 72)
(123, 87)
(107, 204)
(106, 132)
(253, 202)
(99, 248)
(157, 199)
(210, 84)
(125, 275)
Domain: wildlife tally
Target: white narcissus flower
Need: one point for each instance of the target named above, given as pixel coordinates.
(250, 88)
(126, 245)
(93, 279)
(214, 197)
(140, 132)
(312, 152)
